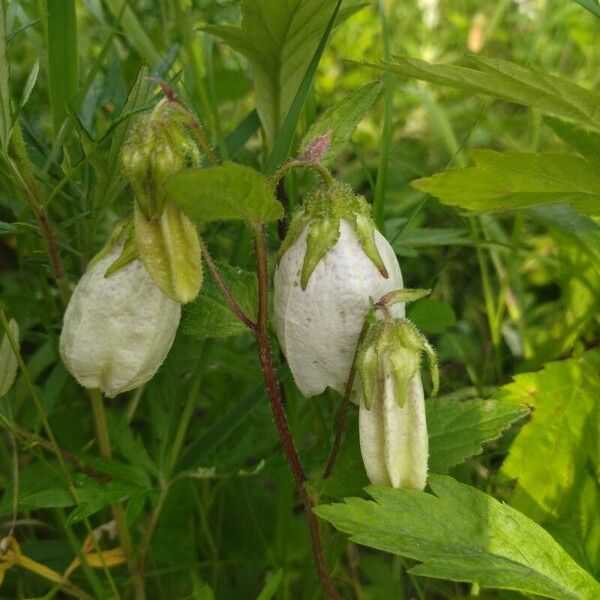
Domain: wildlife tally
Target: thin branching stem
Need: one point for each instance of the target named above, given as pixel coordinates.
(222, 285)
(343, 411)
(301, 164)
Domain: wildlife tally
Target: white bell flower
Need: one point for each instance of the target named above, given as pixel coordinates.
(332, 264)
(392, 423)
(117, 329)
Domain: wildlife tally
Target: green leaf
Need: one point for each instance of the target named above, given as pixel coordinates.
(582, 231)
(432, 316)
(5, 109)
(279, 39)
(284, 139)
(210, 316)
(457, 430)
(127, 444)
(462, 534)
(550, 452)
(63, 57)
(590, 5)
(509, 180)
(230, 191)
(8, 360)
(585, 142)
(334, 129)
(508, 81)
(135, 33)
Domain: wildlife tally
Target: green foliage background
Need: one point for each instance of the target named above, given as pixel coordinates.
(513, 314)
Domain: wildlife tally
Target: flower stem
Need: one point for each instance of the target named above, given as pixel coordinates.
(231, 301)
(300, 164)
(343, 412)
(103, 439)
(279, 416)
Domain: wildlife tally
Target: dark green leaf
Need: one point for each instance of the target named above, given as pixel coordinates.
(457, 430)
(210, 316)
(585, 142)
(227, 192)
(432, 316)
(63, 57)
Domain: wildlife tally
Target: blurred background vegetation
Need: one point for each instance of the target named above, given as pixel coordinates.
(507, 297)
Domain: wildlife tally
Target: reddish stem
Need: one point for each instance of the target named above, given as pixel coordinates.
(274, 392)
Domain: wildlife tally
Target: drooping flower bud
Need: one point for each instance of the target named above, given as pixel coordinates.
(392, 424)
(117, 329)
(161, 144)
(332, 263)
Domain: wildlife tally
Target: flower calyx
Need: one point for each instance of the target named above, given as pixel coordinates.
(393, 347)
(160, 144)
(322, 211)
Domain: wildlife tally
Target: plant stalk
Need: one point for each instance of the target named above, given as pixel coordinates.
(103, 439)
(279, 416)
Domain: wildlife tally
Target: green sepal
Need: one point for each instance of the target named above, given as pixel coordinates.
(160, 144)
(399, 344)
(119, 235)
(365, 231)
(403, 295)
(128, 254)
(323, 234)
(403, 364)
(369, 370)
(170, 249)
(324, 207)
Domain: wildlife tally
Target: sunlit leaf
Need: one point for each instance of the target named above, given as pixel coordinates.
(337, 124)
(227, 192)
(508, 81)
(509, 180)
(550, 452)
(462, 534)
(279, 39)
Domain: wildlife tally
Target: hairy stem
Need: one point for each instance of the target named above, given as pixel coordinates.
(279, 416)
(300, 164)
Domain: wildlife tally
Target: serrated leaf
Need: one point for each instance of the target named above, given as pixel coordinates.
(8, 360)
(279, 39)
(457, 430)
(228, 192)
(462, 534)
(210, 316)
(550, 452)
(509, 180)
(339, 122)
(508, 81)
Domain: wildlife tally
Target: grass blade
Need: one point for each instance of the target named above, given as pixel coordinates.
(63, 58)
